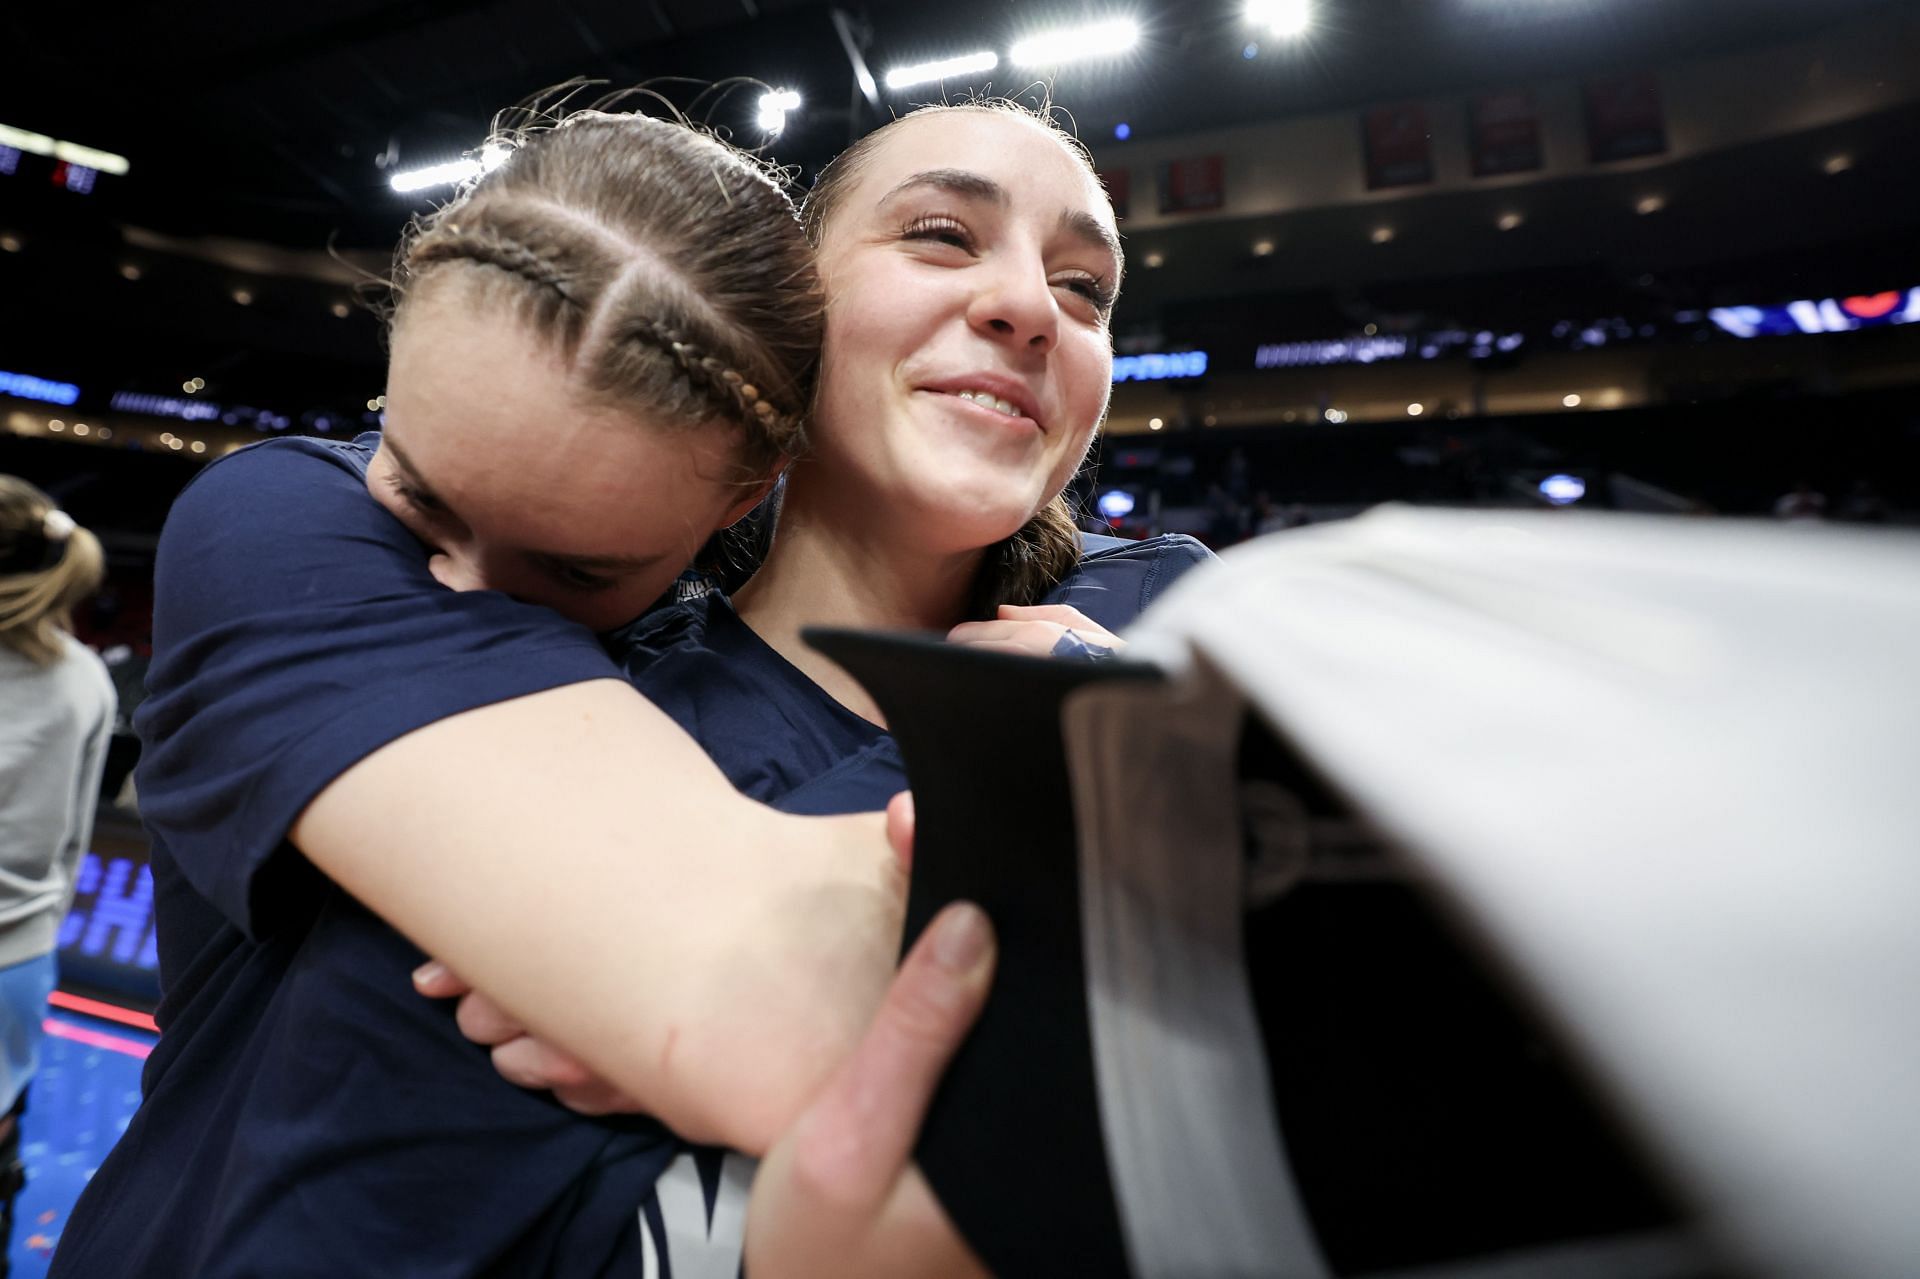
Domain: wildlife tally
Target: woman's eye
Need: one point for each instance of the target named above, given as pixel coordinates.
(579, 579)
(1098, 292)
(413, 497)
(941, 230)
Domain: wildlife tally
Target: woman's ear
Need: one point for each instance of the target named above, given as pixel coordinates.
(751, 498)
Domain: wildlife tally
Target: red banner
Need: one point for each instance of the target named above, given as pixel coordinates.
(1624, 117)
(1504, 131)
(1193, 185)
(1119, 190)
(1399, 146)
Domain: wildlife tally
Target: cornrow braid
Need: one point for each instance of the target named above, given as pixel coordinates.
(451, 241)
(720, 382)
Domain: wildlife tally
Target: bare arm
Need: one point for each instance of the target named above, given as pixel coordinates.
(574, 854)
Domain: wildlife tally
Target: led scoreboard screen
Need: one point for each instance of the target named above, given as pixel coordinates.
(26, 155)
(107, 940)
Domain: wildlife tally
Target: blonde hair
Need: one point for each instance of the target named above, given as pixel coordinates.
(666, 266)
(37, 604)
(1022, 568)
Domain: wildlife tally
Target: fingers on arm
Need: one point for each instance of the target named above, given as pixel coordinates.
(900, 828)
(437, 981)
(485, 1022)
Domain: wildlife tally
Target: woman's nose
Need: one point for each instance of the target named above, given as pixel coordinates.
(1016, 304)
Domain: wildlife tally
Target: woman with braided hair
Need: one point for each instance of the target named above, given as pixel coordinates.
(600, 354)
(56, 715)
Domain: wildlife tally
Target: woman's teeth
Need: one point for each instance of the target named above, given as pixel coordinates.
(987, 401)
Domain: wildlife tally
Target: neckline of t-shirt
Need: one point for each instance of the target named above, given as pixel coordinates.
(793, 675)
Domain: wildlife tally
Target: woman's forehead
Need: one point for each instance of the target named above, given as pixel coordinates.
(1019, 153)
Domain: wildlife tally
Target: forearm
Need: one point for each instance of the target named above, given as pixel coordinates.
(610, 888)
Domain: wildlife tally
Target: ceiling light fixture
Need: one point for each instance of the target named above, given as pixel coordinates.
(967, 64)
(774, 107)
(491, 157)
(1281, 17)
(1077, 44)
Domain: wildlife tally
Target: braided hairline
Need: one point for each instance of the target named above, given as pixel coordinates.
(719, 380)
(714, 377)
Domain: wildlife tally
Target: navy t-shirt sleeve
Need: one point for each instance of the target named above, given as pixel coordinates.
(1116, 579)
(297, 630)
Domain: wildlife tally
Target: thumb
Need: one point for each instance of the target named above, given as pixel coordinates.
(859, 1133)
(900, 823)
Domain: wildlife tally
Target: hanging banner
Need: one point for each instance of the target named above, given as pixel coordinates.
(1504, 132)
(1624, 117)
(1193, 185)
(1399, 146)
(1119, 189)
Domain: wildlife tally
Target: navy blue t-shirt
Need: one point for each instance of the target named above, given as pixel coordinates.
(780, 737)
(306, 1112)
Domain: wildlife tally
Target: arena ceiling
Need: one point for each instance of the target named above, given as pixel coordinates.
(282, 123)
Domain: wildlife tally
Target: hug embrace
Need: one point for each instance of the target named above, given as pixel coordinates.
(415, 696)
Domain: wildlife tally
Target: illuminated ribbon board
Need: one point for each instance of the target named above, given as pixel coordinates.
(71, 152)
(1825, 315)
(24, 386)
(1159, 367)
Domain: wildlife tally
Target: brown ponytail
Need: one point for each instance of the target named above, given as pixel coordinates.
(37, 604)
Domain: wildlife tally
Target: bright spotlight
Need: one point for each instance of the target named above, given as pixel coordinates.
(491, 157)
(1077, 44)
(1382, 234)
(919, 73)
(1650, 204)
(1508, 221)
(434, 175)
(1153, 260)
(1263, 248)
(1415, 410)
(1281, 17)
(1155, 423)
(1116, 504)
(1571, 400)
(774, 107)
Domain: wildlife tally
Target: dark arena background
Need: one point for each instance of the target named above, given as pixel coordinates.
(1647, 255)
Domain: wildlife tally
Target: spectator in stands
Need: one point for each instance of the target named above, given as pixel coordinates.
(56, 714)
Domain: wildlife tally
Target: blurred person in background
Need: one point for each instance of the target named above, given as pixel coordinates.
(56, 714)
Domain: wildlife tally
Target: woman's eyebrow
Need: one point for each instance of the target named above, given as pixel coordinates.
(590, 563)
(960, 182)
(401, 460)
(1082, 225)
